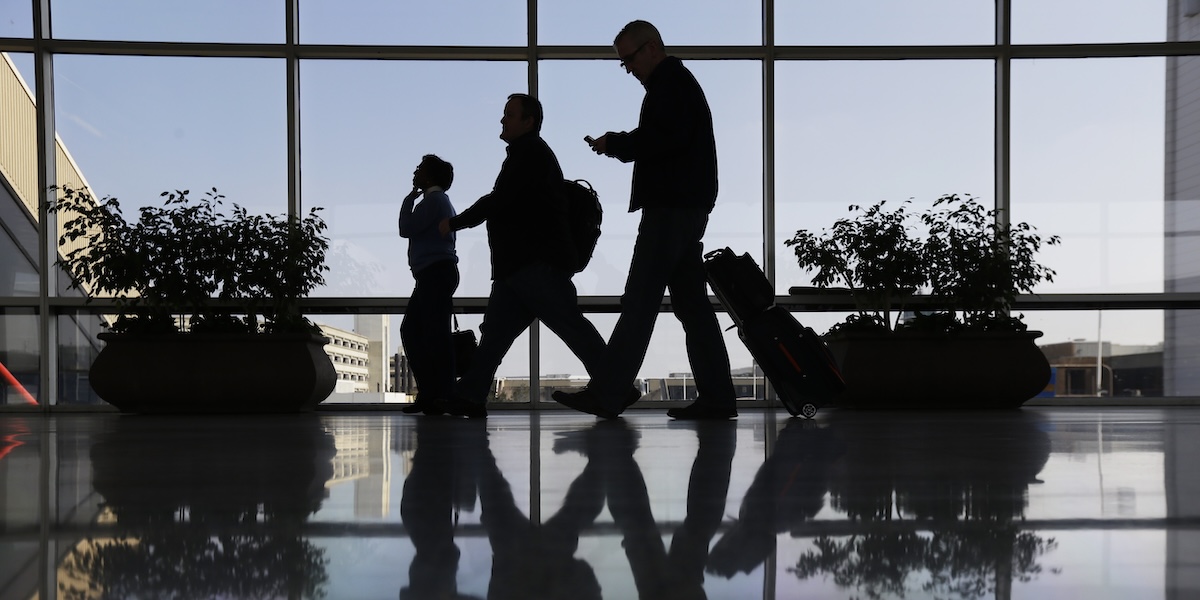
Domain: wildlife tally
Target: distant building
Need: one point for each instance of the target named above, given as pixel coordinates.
(1126, 370)
(350, 354)
(1181, 213)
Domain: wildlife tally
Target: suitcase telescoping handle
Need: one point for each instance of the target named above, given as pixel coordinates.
(718, 252)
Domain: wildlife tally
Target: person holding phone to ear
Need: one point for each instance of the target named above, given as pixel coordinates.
(425, 330)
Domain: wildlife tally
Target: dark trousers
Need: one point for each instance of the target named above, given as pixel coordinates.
(425, 330)
(536, 291)
(667, 256)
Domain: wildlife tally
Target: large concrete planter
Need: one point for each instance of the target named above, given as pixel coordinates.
(213, 373)
(961, 370)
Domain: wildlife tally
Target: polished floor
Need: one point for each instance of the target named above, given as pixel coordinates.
(1037, 503)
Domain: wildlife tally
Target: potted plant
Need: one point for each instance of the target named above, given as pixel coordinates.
(207, 315)
(970, 352)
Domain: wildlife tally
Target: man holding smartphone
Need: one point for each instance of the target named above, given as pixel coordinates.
(673, 151)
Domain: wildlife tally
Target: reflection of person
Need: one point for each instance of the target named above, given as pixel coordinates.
(657, 571)
(675, 186)
(425, 330)
(788, 490)
(427, 509)
(537, 560)
(532, 257)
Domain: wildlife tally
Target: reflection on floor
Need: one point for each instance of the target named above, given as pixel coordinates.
(1036, 503)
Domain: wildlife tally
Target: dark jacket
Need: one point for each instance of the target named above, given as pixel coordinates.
(673, 150)
(525, 213)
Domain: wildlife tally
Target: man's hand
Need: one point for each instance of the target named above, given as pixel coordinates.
(444, 227)
(413, 194)
(599, 146)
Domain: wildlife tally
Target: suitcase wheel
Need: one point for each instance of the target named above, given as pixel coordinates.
(809, 410)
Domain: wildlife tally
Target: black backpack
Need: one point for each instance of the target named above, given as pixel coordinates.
(584, 215)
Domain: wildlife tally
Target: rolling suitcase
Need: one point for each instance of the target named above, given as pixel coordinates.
(797, 362)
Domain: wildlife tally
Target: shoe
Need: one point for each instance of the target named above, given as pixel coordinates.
(634, 395)
(584, 401)
(428, 408)
(702, 410)
(460, 407)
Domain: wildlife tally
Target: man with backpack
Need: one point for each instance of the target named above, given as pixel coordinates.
(533, 257)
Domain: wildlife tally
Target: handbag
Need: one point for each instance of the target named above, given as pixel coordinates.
(464, 344)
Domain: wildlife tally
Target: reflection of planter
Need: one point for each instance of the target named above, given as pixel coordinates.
(962, 370)
(213, 373)
(205, 508)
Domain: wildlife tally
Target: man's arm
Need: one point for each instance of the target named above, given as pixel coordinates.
(407, 227)
(671, 112)
(415, 221)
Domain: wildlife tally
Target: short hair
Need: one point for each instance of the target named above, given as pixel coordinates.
(440, 172)
(530, 108)
(640, 32)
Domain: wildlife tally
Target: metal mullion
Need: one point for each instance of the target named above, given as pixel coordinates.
(1003, 112)
(768, 122)
(47, 250)
(964, 52)
(768, 147)
(8, 44)
(47, 221)
(535, 346)
(192, 49)
(295, 205)
(535, 328)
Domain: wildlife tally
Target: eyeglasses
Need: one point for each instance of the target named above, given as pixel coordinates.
(625, 60)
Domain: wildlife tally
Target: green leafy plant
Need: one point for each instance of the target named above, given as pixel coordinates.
(874, 253)
(980, 263)
(966, 256)
(168, 266)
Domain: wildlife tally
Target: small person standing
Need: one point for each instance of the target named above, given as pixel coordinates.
(425, 329)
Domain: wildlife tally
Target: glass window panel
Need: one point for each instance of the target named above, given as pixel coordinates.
(77, 349)
(134, 127)
(559, 368)
(17, 20)
(858, 133)
(443, 23)
(701, 22)
(360, 349)
(666, 373)
(21, 554)
(1132, 343)
(589, 98)
(22, 64)
(881, 22)
(19, 356)
(610, 101)
(18, 170)
(1087, 165)
(169, 20)
(18, 244)
(1181, 353)
(360, 149)
(1089, 21)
